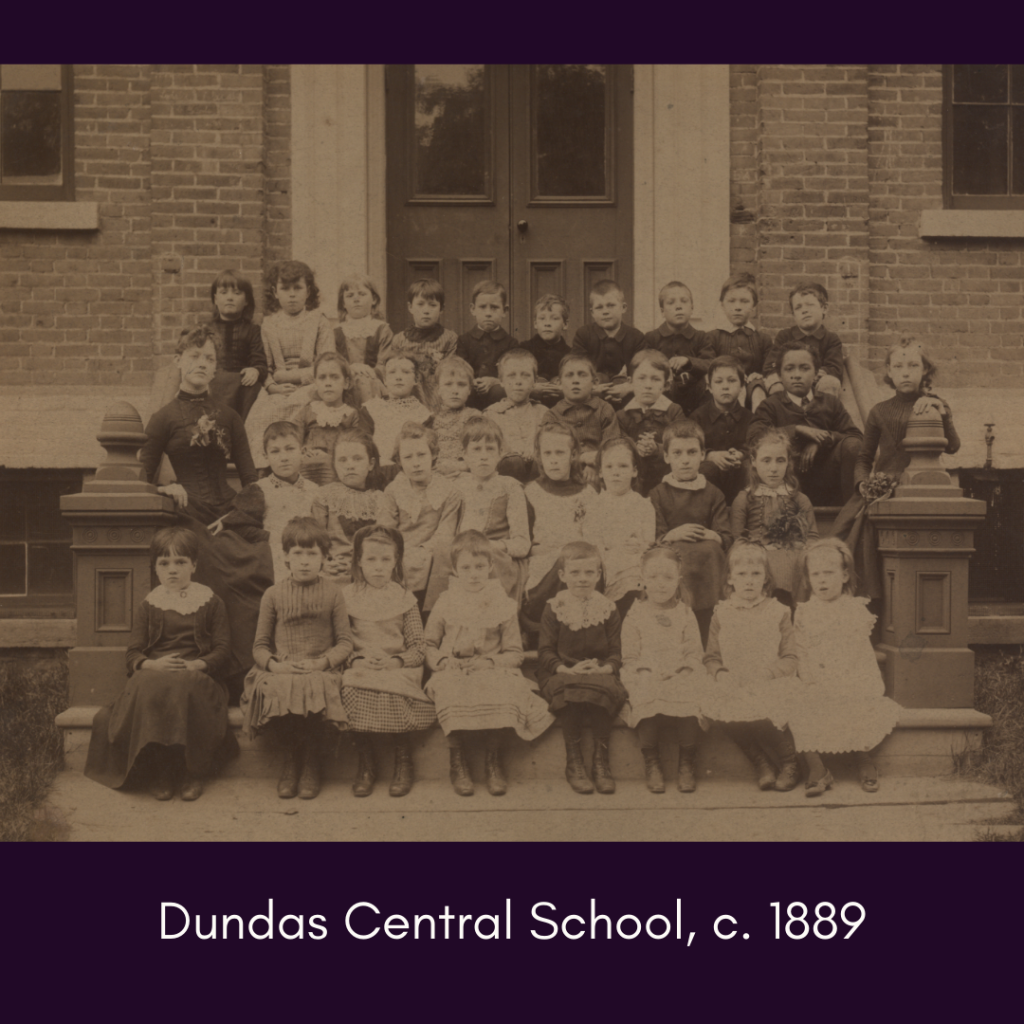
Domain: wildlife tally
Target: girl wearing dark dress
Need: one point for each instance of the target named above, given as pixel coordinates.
(578, 662)
(174, 710)
(243, 365)
(199, 435)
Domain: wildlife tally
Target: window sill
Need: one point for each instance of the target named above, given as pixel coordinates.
(41, 216)
(38, 632)
(971, 224)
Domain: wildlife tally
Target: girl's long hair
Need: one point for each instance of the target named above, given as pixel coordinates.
(575, 466)
(749, 551)
(375, 479)
(380, 535)
(620, 442)
(670, 554)
(285, 273)
(845, 560)
(771, 436)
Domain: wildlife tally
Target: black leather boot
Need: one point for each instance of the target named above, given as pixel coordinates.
(603, 781)
(496, 782)
(652, 770)
(366, 771)
(575, 772)
(402, 782)
(458, 771)
(687, 780)
(765, 771)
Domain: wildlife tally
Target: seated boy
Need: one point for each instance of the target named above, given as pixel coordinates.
(750, 346)
(483, 346)
(825, 438)
(725, 423)
(589, 416)
(681, 344)
(548, 346)
(609, 343)
(645, 418)
(516, 414)
(808, 302)
(691, 515)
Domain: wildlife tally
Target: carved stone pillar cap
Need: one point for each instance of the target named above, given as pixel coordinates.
(121, 425)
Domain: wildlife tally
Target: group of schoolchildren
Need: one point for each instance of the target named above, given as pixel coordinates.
(639, 508)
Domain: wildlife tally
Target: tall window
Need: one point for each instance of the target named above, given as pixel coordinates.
(983, 136)
(36, 132)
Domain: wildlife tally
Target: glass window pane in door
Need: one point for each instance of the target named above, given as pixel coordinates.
(979, 150)
(453, 131)
(979, 83)
(571, 107)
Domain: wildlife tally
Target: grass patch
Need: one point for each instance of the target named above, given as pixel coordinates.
(999, 692)
(33, 691)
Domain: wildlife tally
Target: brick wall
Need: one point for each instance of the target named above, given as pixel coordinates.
(831, 168)
(186, 162)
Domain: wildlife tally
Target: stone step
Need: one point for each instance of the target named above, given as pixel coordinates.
(929, 742)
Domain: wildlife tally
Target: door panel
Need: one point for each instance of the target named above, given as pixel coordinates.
(522, 174)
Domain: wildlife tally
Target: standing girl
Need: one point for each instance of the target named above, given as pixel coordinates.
(353, 502)
(324, 417)
(493, 504)
(173, 711)
(620, 522)
(360, 331)
(383, 417)
(578, 664)
(559, 503)
(295, 332)
(774, 513)
(454, 386)
(752, 657)
(383, 691)
(424, 507)
(302, 641)
(474, 650)
(841, 704)
(910, 372)
(663, 671)
(243, 362)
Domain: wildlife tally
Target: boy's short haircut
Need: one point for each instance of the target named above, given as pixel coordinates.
(654, 358)
(281, 428)
(576, 550)
(454, 364)
(799, 345)
(482, 428)
(906, 342)
(412, 431)
(174, 540)
(672, 284)
(549, 302)
(304, 532)
(576, 357)
(726, 363)
(682, 427)
(232, 278)
(471, 542)
(489, 288)
(333, 357)
(427, 288)
(739, 281)
(517, 355)
(350, 283)
(605, 287)
(197, 337)
(809, 288)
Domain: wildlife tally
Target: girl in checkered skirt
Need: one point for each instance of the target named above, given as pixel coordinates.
(383, 687)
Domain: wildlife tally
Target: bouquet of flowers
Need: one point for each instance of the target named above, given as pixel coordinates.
(788, 530)
(878, 486)
(205, 431)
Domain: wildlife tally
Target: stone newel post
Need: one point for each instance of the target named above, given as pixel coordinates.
(926, 538)
(114, 520)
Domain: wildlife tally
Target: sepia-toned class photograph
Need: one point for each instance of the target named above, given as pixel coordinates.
(461, 452)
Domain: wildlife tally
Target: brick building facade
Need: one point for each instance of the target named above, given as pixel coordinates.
(835, 173)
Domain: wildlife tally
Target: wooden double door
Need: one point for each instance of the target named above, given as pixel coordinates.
(518, 173)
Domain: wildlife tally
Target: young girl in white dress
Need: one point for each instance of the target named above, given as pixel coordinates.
(774, 513)
(841, 704)
(325, 416)
(383, 417)
(360, 332)
(663, 671)
(294, 332)
(474, 650)
(620, 521)
(751, 656)
(302, 640)
(383, 686)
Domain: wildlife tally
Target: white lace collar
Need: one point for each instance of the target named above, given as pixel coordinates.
(375, 604)
(660, 404)
(697, 484)
(485, 609)
(577, 614)
(184, 602)
(764, 491)
(331, 415)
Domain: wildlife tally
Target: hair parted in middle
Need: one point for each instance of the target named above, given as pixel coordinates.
(669, 554)
(619, 442)
(906, 343)
(375, 534)
(771, 435)
(750, 552)
(197, 337)
(288, 272)
(334, 357)
(835, 546)
(471, 542)
(375, 478)
(349, 284)
(575, 451)
(304, 532)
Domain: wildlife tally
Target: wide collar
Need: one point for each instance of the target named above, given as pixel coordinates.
(375, 604)
(661, 404)
(697, 484)
(577, 614)
(184, 602)
(689, 332)
(330, 415)
(764, 491)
